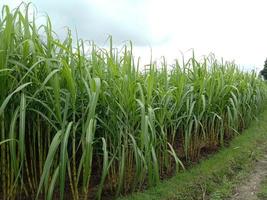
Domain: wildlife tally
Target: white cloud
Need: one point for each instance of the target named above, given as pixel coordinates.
(233, 29)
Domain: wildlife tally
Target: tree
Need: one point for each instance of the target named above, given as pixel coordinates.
(264, 71)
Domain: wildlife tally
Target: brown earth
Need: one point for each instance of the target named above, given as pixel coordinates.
(250, 187)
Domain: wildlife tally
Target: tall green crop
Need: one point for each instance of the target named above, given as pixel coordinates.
(82, 124)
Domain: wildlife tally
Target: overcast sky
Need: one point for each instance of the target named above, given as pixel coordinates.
(232, 29)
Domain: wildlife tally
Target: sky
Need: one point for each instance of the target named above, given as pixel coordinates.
(232, 29)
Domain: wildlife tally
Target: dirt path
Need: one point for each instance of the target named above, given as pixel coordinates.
(249, 188)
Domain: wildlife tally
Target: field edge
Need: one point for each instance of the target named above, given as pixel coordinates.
(215, 177)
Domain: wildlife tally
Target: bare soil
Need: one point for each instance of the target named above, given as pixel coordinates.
(250, 187)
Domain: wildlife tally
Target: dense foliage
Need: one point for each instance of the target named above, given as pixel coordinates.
(80, 123)
(263, 72)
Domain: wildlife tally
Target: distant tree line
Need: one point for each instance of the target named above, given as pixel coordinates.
(264, 71)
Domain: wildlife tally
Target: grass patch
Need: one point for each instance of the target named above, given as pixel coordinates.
(215, 177)
(262, 194)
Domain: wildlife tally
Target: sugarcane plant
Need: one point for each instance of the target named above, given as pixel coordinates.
(82, 120)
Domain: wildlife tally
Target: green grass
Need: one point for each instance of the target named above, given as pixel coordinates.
(83, 124)
(215, 177)
(262, 194)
